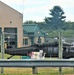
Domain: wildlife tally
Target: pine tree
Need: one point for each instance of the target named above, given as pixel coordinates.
(57, 18)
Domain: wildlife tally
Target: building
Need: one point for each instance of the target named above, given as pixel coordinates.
(11, 24)
(32, 34)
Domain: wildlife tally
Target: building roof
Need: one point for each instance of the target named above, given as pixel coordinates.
(32, 29)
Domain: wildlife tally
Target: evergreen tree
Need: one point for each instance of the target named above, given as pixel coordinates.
(57, 18)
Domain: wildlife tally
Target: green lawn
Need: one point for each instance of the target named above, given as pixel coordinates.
(41, 71)
(6, 55)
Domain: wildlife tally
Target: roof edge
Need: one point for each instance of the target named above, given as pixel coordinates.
(11, 7)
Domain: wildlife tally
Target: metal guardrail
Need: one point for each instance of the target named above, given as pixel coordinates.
(37, 63)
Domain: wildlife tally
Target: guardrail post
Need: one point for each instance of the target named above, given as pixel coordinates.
(34, 70)
(60, 70)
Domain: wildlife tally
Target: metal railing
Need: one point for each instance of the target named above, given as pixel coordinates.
(37, 63)
(33, 63)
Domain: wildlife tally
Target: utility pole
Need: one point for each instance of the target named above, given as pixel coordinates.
(2, 49)
(60, 45)
(60, 50)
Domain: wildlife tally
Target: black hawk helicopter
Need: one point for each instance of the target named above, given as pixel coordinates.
(50, 48)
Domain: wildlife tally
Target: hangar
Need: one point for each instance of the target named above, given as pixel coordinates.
(11, 24)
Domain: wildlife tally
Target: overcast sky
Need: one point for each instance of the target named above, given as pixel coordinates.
(37, 10)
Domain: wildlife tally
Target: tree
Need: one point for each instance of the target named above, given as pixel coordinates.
(30, 22)
(42, 25)
(57, 18)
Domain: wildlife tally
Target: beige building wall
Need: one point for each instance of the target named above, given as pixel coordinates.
(11, 18)
(35, 40)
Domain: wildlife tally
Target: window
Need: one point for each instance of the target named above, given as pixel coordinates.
(25, 41)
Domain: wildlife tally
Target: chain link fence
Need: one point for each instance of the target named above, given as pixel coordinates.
(51, 71)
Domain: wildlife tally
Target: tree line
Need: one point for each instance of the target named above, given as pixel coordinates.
(56, 21)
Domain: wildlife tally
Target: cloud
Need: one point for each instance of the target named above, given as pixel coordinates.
(40, 8)
(16, 4)
(34, 18)
(32, 2)
(70, 17)
(12, 1)
(66, 5)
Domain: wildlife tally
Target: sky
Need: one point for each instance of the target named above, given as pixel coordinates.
(37, 10)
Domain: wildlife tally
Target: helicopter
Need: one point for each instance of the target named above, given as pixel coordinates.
(51, 49)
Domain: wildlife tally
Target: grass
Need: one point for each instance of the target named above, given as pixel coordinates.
(6, 55)
(41, 71)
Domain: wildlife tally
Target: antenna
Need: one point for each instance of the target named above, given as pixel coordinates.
(22, 6)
